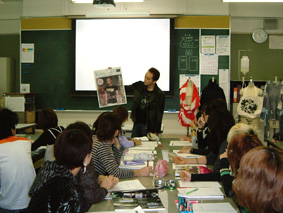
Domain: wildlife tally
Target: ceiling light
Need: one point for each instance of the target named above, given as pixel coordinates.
(258, 1)
(129, 1)
(104, 3)
(118, 14)
(82, 1)
(91, 1)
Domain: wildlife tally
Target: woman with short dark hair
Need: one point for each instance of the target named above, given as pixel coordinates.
(125, 141)
(54, 188)
(107, 151)
(219, 124)
(48, 121)
(91, 186)
(259, 183)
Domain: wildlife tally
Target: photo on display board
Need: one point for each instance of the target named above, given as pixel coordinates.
(110, 87)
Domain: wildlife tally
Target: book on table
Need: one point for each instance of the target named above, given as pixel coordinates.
(147, 199)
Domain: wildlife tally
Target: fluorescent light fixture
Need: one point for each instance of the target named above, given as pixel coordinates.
(118, 14)
(258, 1)
(104, 3)
(128, 1)
(82, 1)
(91, 1)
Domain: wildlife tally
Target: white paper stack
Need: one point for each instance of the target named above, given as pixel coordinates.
(200, 184)
(186, 155)
(213, 208)
(180, 143)
(200, 193)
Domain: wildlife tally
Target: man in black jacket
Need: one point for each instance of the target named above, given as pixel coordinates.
(148, 105)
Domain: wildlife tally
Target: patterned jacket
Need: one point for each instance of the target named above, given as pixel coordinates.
(155, 108)
(54, 190)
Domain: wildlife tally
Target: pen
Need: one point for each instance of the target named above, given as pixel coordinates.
(189, 192)
(193, 201)
(185, 171)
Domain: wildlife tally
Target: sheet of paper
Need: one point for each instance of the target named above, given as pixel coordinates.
(144, 138)
(208, 44)
(129, 185)
(200, 184)
(165, 155)
(201, 193)
(276, 42)
(16, 104)
(209, 64)
(223, 45)
(123, 166)
(143, 148)
(180, 143)
(213, 208)
(184, 77)
(187, 155)
(27, 53)
(133, 151)
(147, 143)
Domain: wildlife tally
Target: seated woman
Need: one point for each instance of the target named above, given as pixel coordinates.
(258, 185)
(89, 189)
(219, 124)
(241, 138)
(107, 151)
(200, 132)
(122, 114)
(48, 121)
(54, 189)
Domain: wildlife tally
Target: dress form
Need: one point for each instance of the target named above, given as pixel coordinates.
(251, 90)
(189, 93)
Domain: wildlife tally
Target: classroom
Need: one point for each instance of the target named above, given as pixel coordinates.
(232, 44)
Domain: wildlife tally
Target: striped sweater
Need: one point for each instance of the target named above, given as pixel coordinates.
(106, 159)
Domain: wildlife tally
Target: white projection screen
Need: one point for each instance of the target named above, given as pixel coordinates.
(135, 45)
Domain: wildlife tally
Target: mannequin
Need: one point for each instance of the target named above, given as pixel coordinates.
(251, 90)
(189, 93)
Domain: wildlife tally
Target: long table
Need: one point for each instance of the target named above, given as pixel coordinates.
(107, 206)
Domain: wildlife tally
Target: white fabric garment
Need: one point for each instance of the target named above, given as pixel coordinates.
(250, 106)
(17, 172)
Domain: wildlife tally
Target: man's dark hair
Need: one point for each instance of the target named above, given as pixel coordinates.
(8, 121)
(47, 119)
(71, 147)
(155, 72)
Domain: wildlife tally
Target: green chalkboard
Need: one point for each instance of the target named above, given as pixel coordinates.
(51, 75)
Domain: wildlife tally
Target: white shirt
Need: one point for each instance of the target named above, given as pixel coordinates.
(16, 172)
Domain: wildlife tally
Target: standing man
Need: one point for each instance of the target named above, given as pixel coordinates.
(148, 105)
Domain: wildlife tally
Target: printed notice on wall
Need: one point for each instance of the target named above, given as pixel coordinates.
(185, 77)
(275, 42)
(110, 87)
(223, 45)
(209, 64)
(224, 82)
(27, 53)
(208, 44)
